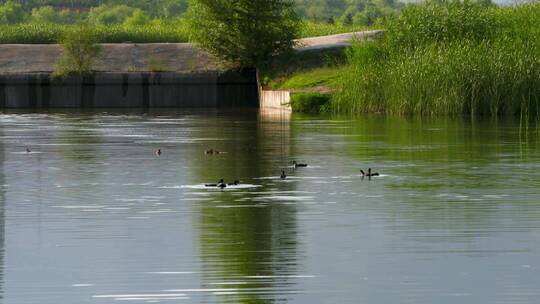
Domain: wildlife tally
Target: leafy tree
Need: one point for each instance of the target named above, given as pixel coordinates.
(11, 13)
(46, 14)
(49, 14)
(244, 32)
(110, 14)
(320, 9)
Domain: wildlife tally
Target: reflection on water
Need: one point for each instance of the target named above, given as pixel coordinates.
(93, 216)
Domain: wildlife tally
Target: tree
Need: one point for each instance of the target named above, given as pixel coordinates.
(110, 14)
(244, 32)
(11, 13)
(137, 19)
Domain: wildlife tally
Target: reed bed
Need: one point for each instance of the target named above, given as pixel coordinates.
(453, 58)
(51, 33)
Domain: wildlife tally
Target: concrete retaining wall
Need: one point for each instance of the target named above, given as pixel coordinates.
(130, 90)
(277, 100)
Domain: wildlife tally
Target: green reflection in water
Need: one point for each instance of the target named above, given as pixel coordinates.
(246, 242)
(448, 179)
(81, 136)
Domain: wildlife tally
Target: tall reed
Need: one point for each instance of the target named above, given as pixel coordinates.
(452, 58)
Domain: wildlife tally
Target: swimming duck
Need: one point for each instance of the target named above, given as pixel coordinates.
(222, 185)
(235, 183)
(283, 176)
(28, 150)
(158, 152)
(215, 185)
(369, 174)
(212, 151)
(297, 165)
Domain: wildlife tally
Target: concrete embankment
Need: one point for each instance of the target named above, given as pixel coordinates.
(131, 75)
(275, 100)
(130, 90)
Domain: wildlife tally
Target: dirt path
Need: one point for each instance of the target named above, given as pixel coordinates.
(332, 41)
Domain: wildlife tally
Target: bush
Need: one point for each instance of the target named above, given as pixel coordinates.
(80, 50)
(309, 102)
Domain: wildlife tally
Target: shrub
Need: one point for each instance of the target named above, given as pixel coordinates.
(80, 50)
(309, 102)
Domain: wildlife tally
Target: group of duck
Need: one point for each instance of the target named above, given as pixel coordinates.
(221, 184)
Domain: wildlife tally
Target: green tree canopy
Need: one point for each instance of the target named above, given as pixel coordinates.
(245, 32)
(11, 13)
(48, 14)
(110, 14)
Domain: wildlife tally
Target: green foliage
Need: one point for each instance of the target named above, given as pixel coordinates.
(11, 13)
(80, 50)
(51, 33)
(315, 29)
(442, 21)
(348, 12)
(169, 9)
(110, 14)
(449, 58)
(309, 102)
(138, 18)
(48, 14)
(246, 33)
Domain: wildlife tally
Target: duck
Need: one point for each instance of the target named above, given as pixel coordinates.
(297, 165)
(283, 176)
(235, 183)
(158, 152)
(222, 185)
(28, 150)
(215, 185)
(369, 174)
(212, 151)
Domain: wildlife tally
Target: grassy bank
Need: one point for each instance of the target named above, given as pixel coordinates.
(154, 32)
(448, 58)
(311, 76)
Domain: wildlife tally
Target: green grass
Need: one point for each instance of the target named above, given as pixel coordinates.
(321, 77)
(302, 66)
(452, 58)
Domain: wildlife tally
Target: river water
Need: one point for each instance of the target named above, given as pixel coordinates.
(92, 215)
